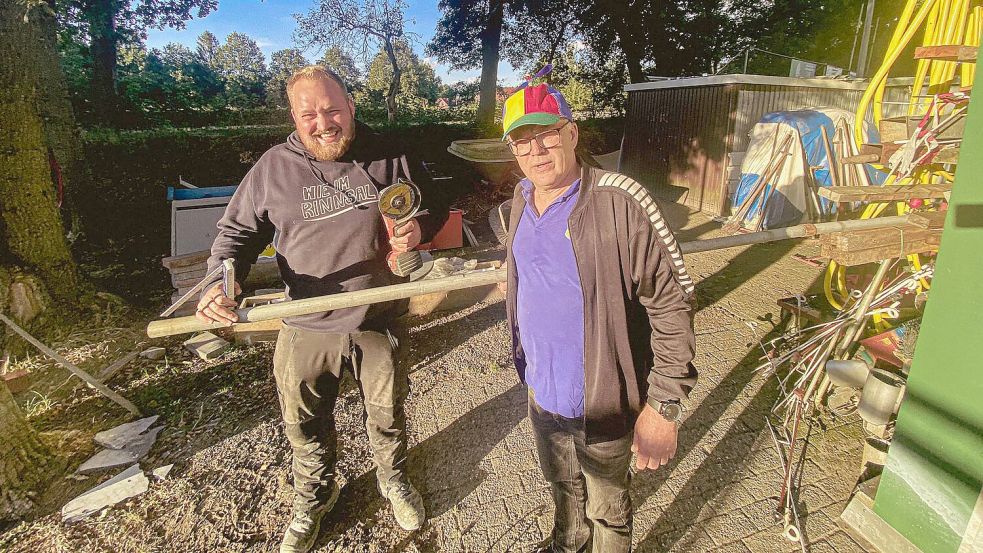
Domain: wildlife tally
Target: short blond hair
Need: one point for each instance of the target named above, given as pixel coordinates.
(314, 73)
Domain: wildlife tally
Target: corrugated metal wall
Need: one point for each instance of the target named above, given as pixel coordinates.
(676, 142)
(677, 139)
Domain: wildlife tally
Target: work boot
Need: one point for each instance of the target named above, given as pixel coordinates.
(305, 524)
(407, 504)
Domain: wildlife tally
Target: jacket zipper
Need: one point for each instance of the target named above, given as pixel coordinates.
(583, 302)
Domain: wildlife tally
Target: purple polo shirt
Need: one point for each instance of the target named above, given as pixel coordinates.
(550, 304)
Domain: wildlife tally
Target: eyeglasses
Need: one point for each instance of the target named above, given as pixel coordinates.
(546, 140)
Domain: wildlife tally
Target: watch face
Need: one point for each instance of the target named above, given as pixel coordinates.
(672, 411)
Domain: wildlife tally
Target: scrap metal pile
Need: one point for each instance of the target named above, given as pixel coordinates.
(855, 355)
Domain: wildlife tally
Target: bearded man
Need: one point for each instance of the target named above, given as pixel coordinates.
(316, 197)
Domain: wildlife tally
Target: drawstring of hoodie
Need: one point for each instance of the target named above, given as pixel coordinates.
(349, 195)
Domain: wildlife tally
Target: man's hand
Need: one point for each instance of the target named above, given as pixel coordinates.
(406, 237)
(655, 439)
(216, 307)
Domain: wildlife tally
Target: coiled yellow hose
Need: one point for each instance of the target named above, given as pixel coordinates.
(945, 22)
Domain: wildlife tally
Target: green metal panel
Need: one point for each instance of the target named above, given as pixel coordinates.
(932, 480)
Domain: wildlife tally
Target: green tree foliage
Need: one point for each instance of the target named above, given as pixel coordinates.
(418, 84)
(340, 62)
(109, 24)
(358, 27)
(283, 64)
(206, 49)
(461, 93)
(469, 35)
(242, 67)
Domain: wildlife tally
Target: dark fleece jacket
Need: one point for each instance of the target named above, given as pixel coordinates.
(323, 218)
(638, 322)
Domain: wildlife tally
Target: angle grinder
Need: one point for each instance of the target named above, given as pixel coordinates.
(399, 203)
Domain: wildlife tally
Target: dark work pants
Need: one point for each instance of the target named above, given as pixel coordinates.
(589, 484)
(308, 366)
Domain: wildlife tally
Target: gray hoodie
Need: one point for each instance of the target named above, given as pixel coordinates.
(323, 218)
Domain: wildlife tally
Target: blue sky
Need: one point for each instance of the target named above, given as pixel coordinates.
(271, 24)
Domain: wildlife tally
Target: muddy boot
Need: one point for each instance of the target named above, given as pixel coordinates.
(407, 504)
(305, 524)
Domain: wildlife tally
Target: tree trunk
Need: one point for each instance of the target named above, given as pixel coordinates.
(24, 461)
(29, 220)
(394, 83)
(491, 39)
(101, 18)
(60, 128)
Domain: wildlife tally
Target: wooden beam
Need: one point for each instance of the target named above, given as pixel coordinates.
(857, 240)
(927, 219)
(888, 193)
(948, 52)
(855, 248)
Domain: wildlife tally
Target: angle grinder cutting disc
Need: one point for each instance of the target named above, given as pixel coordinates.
(399, 203)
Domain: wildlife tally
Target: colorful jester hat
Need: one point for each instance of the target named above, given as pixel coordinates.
(534, 105)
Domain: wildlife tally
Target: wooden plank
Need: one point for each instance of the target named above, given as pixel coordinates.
(927, 219)
(894, 129)
(857, 240)
(887, 151)
(947, 155)
(871, 255)
(948, 52)
(862, 158)
(889, 193)
(185, 259)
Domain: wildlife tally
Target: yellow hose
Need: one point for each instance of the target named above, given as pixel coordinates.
(944, 22)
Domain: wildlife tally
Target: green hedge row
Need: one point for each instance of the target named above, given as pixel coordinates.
(125, 206)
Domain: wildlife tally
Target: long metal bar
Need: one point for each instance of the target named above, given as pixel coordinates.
(184, 325)
(88, 378)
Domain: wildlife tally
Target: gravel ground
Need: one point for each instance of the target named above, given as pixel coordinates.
(471, 449)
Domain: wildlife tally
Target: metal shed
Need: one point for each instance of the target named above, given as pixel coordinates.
(685, 138)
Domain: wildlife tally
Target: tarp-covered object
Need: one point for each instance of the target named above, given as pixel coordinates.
(788, 195)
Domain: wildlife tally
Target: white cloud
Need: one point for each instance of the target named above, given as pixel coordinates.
(264, 42)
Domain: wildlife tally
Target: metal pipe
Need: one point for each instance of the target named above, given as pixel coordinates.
(798, 231)
(184, 325)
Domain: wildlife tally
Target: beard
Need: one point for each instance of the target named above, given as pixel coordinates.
(331, 151)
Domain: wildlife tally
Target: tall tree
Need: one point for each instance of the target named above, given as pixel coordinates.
(358, 27)
(283, 64)
(337, 60)
(111, 23)
(60, 127)
(206, 49)
(469, 35)
(33, 237)
(419, 84)
(242, 66)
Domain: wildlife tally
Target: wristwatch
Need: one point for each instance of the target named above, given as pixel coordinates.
(670, 410)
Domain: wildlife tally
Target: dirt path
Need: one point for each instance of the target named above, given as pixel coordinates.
(471, 450)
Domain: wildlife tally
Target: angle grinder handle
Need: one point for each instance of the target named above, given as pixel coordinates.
(402, 263)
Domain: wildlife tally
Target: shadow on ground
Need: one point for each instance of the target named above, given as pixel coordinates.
(444, 467)
(722, 464)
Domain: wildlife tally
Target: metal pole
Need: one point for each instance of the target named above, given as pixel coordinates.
(865, 41)
(856, 33)
(86, 377)
(747, 54)
(183, 325)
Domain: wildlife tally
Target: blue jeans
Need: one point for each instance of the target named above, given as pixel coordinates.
(589, 484)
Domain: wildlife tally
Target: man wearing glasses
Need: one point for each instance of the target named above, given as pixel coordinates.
(598, 302)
